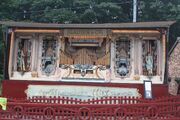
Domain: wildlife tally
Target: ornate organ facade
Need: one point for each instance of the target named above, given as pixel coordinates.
(87, 54)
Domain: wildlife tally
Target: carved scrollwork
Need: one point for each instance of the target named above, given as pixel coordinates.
(18, 112)
(84, 113)
(24, 55)
(122, 57)
(48, 113)
(49, 55)
(152, 112)
(120, 113)
(149, 57)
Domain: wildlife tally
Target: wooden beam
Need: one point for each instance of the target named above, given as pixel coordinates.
(37, 30)
(10, 54)
(85, 44)
(163, 55)
(136, 31)
(149, 38)
(164, 49)
(86, 37)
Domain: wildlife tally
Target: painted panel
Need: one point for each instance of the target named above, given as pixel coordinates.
(82, 92)
(16, 89)
(85, 32)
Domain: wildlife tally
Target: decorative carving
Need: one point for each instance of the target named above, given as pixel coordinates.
(18, 112)
(85, 32)
(79, 42)
(83, 61)
(24, 55)
(84, 56)
(122, 57)
(120, 113)
(83, 68)
(48, 113)
(65, 58)
(105, 60)
(149, 63)
(84, 113)
(48, 62)
(149, 56)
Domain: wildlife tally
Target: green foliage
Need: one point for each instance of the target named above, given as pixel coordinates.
(88, 16)
(66, 11)
(4, 9)
(60, 16)
(1, 54)
(42, 7)
(159, 10)
(109, 12)
(85, 11)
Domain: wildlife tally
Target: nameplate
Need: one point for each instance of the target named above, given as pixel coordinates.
(81, 92)
(85, 32)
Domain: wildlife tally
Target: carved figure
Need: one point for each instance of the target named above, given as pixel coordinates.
(23, 56)
(49, 51)
(123, 61)
(22, 62)
(48, 60)
(149, 63)
(122, 70)
(123, 54)
(122, 57)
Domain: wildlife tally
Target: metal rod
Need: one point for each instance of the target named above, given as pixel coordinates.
(134, 10)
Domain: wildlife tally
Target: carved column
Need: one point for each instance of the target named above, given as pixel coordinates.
(11, 54)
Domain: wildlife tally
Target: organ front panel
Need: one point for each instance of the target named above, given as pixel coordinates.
(125, 56)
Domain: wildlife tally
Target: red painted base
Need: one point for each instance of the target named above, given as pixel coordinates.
(16, 89)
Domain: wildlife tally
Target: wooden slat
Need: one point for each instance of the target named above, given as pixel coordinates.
(105, 60)
(86, 37)
(65, 59)
(37, 30)
(11, 53)
(135, 31)
(82, 57)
